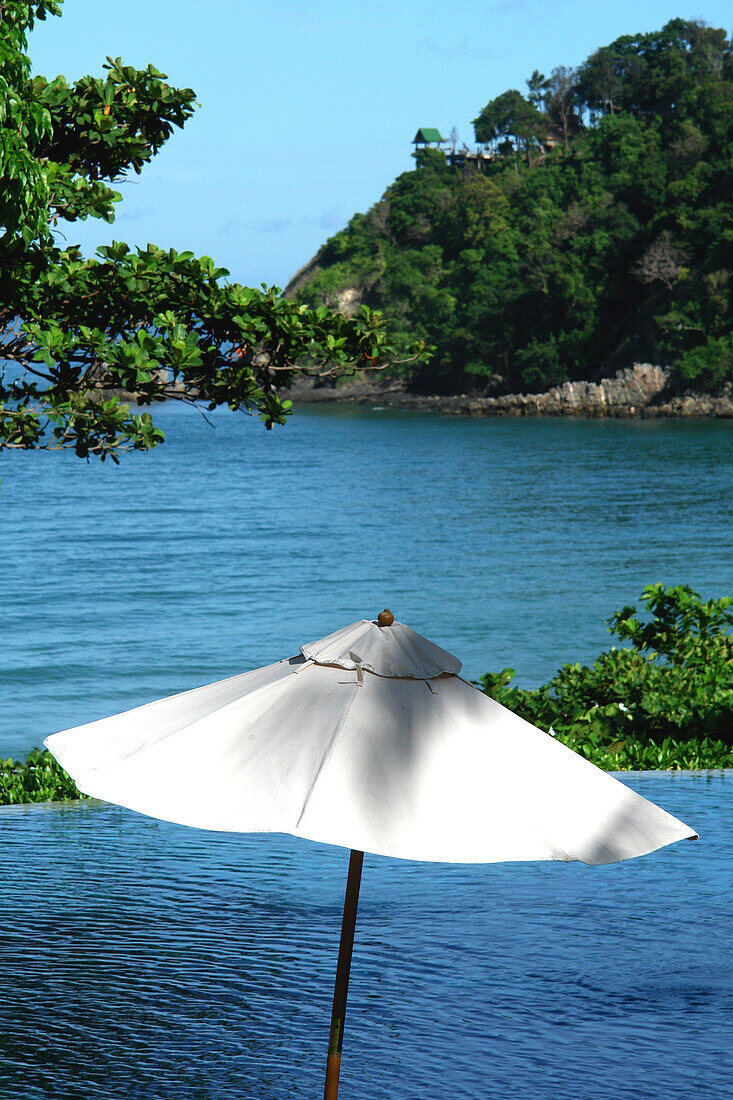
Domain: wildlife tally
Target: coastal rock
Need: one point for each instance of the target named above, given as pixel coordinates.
(348, 301)
(627, 393)
(642, 390)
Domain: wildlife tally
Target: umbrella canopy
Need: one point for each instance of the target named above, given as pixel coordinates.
(369, 739)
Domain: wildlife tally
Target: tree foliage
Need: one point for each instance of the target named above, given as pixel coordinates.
(511, 118)
(668, 691)
(79, 335)
(598, 232)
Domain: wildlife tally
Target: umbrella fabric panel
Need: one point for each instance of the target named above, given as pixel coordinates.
(584, 813)
(441, 772)
(85, 749)
(245, 766)
(407, 779)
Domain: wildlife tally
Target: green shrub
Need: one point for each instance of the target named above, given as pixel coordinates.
(39, 778)
(666, 701)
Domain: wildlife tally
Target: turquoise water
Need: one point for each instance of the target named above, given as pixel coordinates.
(507, 542)
(144, 961)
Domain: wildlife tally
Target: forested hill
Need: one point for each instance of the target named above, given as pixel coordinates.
(596, 229)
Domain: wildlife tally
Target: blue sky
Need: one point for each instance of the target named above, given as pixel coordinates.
(307, 109)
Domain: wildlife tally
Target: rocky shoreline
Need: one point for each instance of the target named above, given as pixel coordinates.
(641, 391)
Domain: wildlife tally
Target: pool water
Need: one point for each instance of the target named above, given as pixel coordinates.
(146, 960)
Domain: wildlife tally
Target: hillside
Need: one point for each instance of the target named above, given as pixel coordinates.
(594, 229)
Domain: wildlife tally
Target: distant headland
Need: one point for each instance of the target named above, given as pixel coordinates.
(586, 234)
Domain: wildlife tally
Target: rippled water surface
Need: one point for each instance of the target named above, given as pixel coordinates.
(508, 542)
(149, 961)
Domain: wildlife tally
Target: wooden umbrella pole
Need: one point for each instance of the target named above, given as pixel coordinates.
(343, 969)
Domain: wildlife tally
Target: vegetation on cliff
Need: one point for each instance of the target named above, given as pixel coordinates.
(595, 229)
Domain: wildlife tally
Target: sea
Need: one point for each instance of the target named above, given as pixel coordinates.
(141, 959)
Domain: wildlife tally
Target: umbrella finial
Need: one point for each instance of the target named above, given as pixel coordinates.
(385, 618)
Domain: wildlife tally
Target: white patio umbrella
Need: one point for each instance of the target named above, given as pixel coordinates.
(368, 739)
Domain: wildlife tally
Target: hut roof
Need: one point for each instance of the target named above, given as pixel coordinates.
(427, 134)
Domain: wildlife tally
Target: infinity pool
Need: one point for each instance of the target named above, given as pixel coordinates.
(145, 960)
